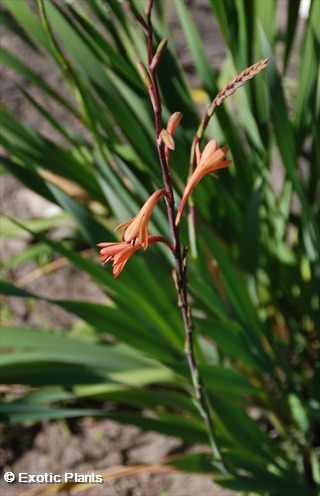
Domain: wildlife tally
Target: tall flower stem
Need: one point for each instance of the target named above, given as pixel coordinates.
(180, 259)
(227, 91)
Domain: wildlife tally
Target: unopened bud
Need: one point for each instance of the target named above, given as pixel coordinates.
(149, 4)
(167, 139)
(144, 75)
(136, 15)
(174, 122)
(157, 56)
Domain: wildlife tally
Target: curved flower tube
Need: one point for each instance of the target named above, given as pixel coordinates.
(121, 252)
(210, 160)
(138, 226)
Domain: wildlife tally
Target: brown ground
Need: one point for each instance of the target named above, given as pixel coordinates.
(90, 446)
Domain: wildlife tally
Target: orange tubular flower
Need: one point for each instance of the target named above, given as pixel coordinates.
(138, 226)
(210, 160)
(121, 252)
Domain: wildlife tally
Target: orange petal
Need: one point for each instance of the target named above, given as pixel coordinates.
(208, 151)
(214, 158)
(124, 224)
(221, 165)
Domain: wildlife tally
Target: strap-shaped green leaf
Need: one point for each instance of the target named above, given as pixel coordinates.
(288, 148)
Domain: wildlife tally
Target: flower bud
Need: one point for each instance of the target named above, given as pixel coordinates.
(144, 75)
(167, 139)
(157, 56)
(174, 122)
(149, 4)
(136, 15)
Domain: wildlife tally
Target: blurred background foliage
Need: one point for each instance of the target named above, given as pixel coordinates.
(254, 271)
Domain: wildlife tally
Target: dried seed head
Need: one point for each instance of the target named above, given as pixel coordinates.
(236, 83)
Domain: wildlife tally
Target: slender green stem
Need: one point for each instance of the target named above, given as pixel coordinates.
(180, 259)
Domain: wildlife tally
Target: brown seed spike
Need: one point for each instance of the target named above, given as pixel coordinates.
(237, 82)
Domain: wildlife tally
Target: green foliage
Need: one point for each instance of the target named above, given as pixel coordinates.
(255, 281)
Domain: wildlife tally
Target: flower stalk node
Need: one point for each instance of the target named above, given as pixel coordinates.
(185, 258)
